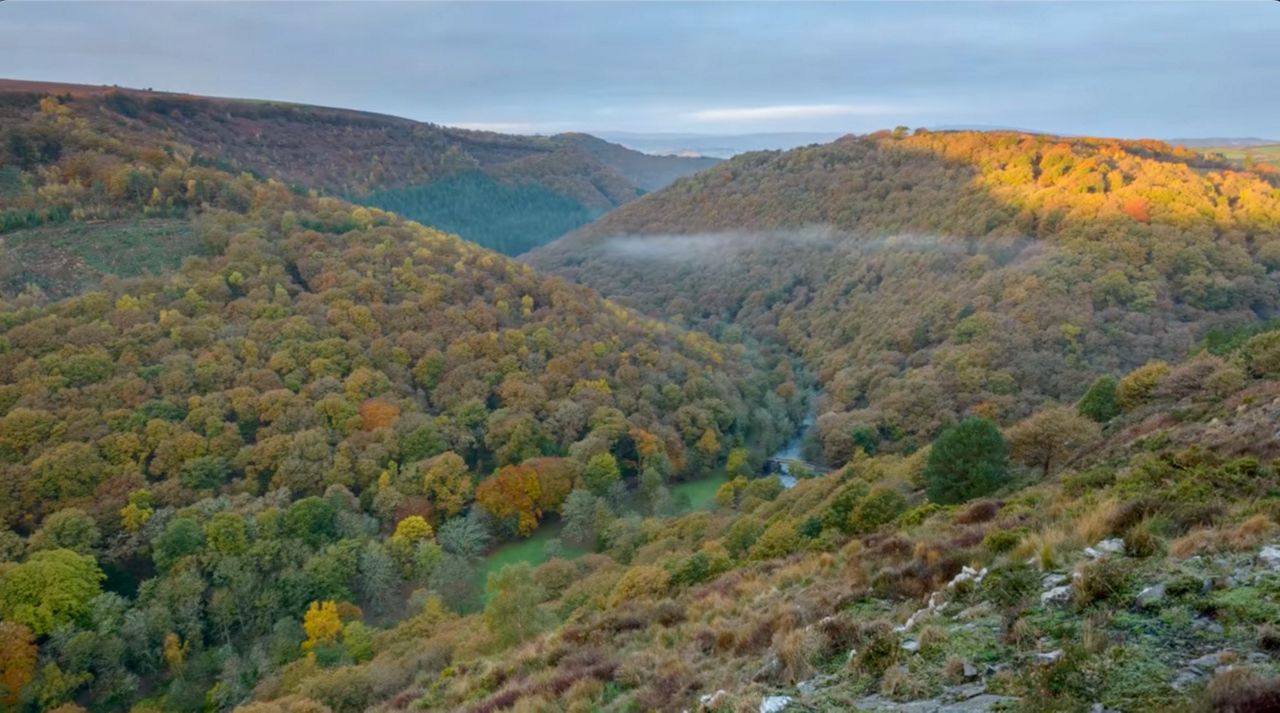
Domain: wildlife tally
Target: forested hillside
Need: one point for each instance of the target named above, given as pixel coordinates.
(324, 403)
(275, 452)
(378, 160)
(929, 276)
(1115, 554)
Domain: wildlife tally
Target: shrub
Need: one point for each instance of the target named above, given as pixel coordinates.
(555, 576)
(1001, 541)
(877, 646)
(694, 569)
(1136, 388)
(640, 582)
(879, 507)
(1103, 579)
(1101, 401)
(1142, 540)
(1241, 690)
(778, 540)
(1262, 354)
(511, 614)
(1010, 585)
(742, 534)
(968, 460)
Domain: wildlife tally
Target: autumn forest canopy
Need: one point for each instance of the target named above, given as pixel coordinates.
(285, 427)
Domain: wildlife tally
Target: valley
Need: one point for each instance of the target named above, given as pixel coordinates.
(317, 410)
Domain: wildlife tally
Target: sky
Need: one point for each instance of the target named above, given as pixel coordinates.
(1133, 69)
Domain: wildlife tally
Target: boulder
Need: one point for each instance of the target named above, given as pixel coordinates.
(774, 704)
(1058, 595)
(1210, 662)
(1113, 546)
(1053, 579)
(1269, 557)
(1047, 658)
(1150, 596)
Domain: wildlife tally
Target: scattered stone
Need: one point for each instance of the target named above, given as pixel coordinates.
(709, 701)
(1208, 625)
(774, 704)
(1210, 662)
(1053, 579)
(1058, 595)
(984, 703)
(810, 687)
(1186, 679)
(1049, 657)
(979, 703)
(1150, 596)
(911, 646)
(994, 668)
(1114, 546)
(967, 574)
(970, 671)
(963, 692)
(1270, 557)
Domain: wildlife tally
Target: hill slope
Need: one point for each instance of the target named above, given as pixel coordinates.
(1142, 573)
(382, 161)
(929, 276)
(190, 459)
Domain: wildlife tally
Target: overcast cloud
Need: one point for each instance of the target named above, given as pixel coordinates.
(1138, 69)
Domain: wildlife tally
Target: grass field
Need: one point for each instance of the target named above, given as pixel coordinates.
(544, 543)
(1269, 153)
(68, 257)
(700, 492)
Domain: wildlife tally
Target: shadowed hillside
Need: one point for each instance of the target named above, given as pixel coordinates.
(509, 193)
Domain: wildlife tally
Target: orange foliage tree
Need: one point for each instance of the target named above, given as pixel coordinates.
(514, 491)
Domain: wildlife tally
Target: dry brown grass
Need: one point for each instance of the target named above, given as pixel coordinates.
(1096, 522)
(1250, 534)
(796, 651)
(1240, 690)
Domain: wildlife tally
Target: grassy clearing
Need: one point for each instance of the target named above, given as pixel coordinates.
(539, 547)
(700, 492)
(65, 258)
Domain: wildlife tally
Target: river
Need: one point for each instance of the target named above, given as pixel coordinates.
(790, 452)
(699, 495)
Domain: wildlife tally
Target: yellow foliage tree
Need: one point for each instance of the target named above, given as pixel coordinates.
(322, 625)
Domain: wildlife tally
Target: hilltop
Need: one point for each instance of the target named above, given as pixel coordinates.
(506, 192)
(925, 277)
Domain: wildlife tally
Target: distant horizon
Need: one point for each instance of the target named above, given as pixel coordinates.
(1102, 69)
(643, 141)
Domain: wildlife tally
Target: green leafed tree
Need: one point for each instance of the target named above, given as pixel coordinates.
(968, 460)
(1100, 402)
(180, 538)
(512, 612)
(601, 473)
(52, 588)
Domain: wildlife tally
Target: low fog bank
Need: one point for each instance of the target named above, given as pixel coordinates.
(677, 248)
